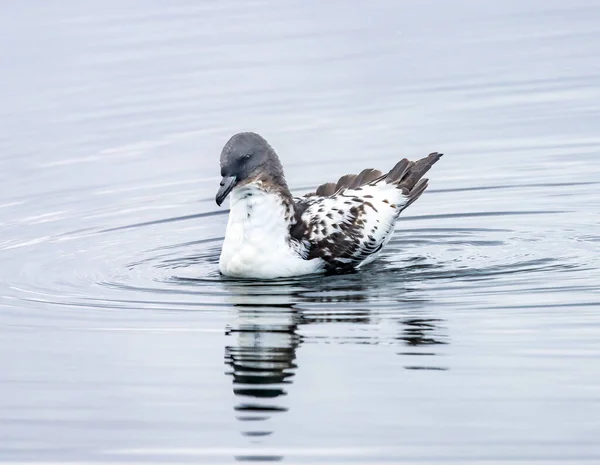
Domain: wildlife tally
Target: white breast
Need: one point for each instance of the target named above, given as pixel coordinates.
(257, 238)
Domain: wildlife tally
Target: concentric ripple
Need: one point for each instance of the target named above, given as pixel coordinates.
(171, 263)
(474, 337)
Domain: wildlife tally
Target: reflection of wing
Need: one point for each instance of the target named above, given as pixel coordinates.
(348, 223)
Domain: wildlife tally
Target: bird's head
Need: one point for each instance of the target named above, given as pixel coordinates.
(247, 157)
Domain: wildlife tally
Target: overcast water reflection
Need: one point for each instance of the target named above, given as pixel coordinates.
(475, 338)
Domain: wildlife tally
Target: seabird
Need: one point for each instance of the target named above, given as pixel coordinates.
(340, 227)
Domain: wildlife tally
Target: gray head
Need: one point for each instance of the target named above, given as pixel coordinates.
(248, 157)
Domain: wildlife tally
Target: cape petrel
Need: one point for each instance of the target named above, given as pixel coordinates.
(339, 227)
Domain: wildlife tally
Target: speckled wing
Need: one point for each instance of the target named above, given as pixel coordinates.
(348, 223)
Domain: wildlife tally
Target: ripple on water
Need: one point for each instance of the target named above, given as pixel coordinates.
(141, 274)
(71, 269)
(473, 338)
(161, 275)
(448, 262)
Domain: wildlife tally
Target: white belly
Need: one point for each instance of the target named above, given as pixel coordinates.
(257, 239)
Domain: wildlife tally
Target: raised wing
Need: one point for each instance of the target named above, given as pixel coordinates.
(347, 223)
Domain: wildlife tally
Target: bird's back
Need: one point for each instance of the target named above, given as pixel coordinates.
(346, 224)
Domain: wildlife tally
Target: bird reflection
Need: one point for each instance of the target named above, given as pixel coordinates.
(262, 360)
(420, 332)
(421, 335)
(265, 335)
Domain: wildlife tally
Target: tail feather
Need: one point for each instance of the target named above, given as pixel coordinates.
(398, 172)
(417, 170)
(406, 175)
(416, 192)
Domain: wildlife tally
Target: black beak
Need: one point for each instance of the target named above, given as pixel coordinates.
(227, 183)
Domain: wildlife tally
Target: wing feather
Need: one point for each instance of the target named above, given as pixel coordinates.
(348, 223)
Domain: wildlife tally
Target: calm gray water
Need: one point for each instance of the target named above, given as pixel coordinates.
(475, 338)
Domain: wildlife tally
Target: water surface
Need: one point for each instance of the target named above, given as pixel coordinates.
(474, 338)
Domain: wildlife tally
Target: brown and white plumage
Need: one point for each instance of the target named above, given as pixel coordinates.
(347, 223)
(339, 227)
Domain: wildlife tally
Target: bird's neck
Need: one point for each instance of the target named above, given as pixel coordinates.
(261, 207)
(270, 182)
